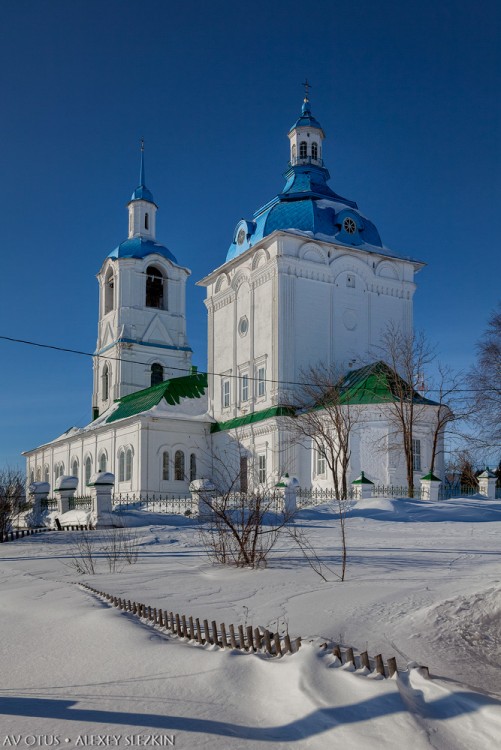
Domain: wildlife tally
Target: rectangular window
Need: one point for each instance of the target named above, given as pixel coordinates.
(416, 455)
(245, 387)
(320, 461)
(226, 393)
(243, 474)
(261, 382)
(261, 465)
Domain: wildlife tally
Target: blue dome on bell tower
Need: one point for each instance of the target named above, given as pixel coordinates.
(307, 204)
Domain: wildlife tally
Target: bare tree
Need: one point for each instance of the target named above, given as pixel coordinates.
(324, 417)
(241, 516)
(12, 497)
(407, 356)
(485, 382)
(453, 408)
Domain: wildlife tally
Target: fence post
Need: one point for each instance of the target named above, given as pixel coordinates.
(65, 491)
(241, 636)
(267, 641)
(233, 640)
(214, 633)
(37, 492)
(392, 666)
(487, 484)
(199, 631)
(379, 664)
(200, 489)
(101, 486)
(287, 489)
(430, 487)
(257, 638)
(362, 487)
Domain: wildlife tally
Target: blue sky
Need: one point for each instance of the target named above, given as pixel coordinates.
(408, 94)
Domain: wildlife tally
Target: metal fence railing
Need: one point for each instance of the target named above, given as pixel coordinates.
(179, 505)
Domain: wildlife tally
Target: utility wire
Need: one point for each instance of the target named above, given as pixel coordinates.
(201, 372)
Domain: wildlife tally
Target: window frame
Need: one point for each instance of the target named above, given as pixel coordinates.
(320, 462)
(179, 465)
(244, 387)
(165, 466)
(416, 454)
(87, 469)
(261, 468)
(225, 393)
(261, 381)
(193, 467)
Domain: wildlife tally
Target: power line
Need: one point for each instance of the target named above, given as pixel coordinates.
(201, 372)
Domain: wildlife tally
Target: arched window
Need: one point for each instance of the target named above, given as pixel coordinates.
(109, 285)
(39, 474)
(157, 373)
(74, 467)
(303, 150)
(58, 470)
(293, 151)
(46, 473)
(125, 465)
(102, 462)
(121, 466)
(146, 221)
(193, 467)
(105, 383)
(128, 465)
(165, 466)
(314, 151)
(179, 466)
(32, 476)
(154, 288)
(88, 469)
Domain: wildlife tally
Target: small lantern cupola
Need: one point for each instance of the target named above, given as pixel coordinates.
(306, 137)
(142, 208)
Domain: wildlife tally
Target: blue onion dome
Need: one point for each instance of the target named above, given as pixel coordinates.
(141, 193)
(306, 119)
(139, 247)
(308, 206)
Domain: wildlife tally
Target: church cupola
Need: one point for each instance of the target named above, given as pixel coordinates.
(142, 208)
(306, 137)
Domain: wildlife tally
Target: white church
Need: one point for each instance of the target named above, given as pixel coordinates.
(307, 280)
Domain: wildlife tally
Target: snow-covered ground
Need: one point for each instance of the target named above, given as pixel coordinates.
(423, 584)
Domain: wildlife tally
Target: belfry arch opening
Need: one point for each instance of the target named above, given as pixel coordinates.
(109, 292)
(157, 373)
(156, 288)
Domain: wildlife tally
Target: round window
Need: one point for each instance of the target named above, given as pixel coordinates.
(243, 326)
(241, 236)
(349, 225)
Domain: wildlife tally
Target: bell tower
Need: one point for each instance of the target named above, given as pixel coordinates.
(142, 309)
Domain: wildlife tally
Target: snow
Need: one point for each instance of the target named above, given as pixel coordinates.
(423, 584)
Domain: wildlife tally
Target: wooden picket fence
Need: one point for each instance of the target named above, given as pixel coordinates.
(11, 536)
(361, 660)
(244, 638)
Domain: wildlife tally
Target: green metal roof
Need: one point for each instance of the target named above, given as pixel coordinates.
(257, 416)
(430, 478)
(372, 384)
(362, 479)
(188, 386)
(377, 384)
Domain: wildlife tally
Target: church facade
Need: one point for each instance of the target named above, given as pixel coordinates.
(306, 281)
